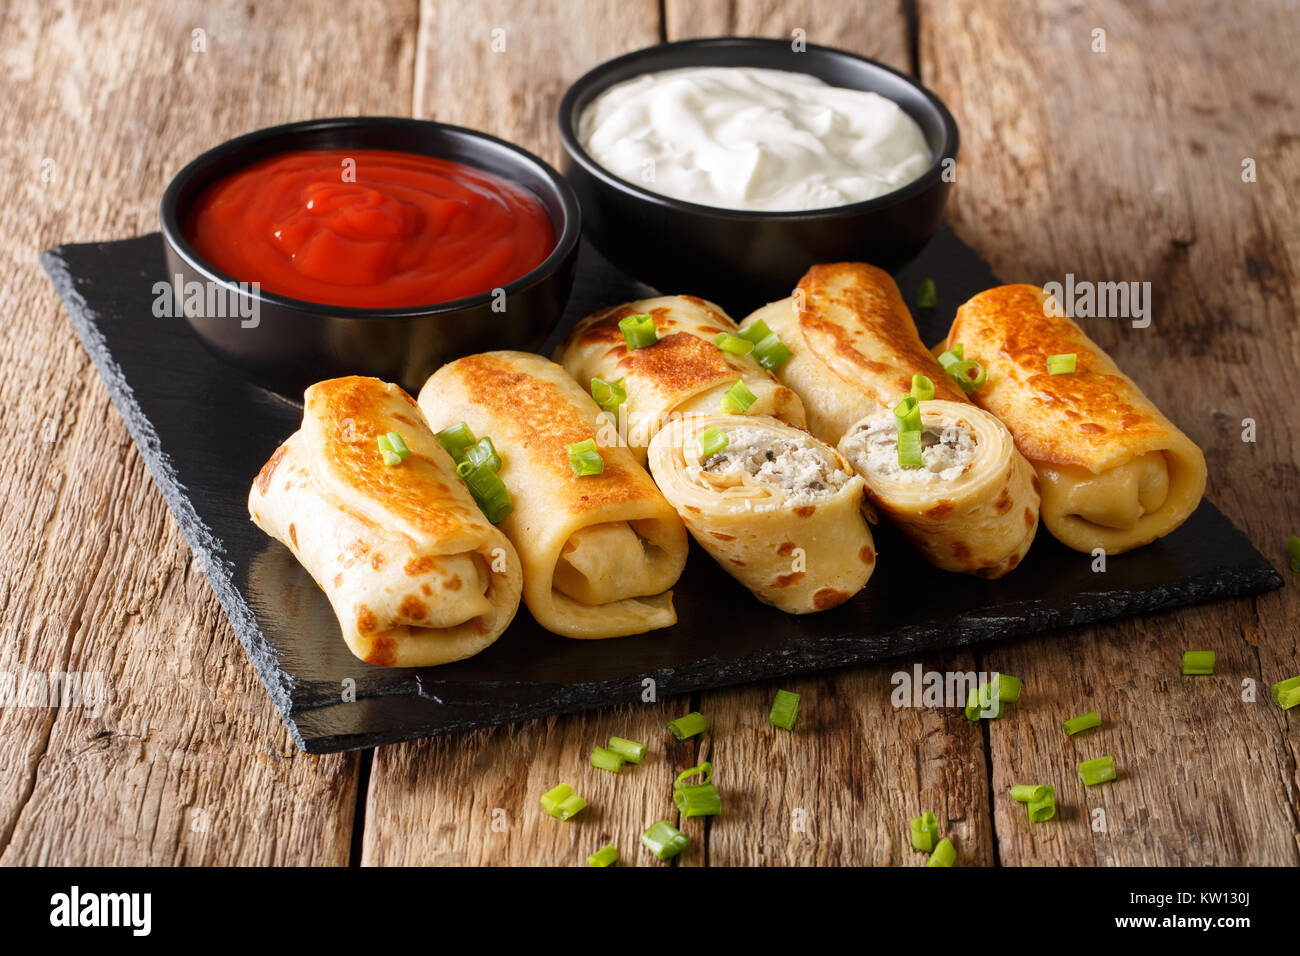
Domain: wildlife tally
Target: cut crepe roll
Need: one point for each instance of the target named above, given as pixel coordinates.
(972, 506)
(600, 552)
(778, 509)
(415, 574)
(855, 346)
(1116, 474)
(684, 371)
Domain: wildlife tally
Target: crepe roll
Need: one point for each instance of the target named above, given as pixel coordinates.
(413, 571)
(972, 506)
(778, 509)
(600, 552)
(855, 346)
(1116, 474)
(683, 372)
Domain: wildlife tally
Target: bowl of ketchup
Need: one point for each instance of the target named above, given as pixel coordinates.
(368, 246)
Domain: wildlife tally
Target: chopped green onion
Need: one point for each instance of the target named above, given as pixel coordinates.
(960, 372)
(1097, 771)
(926, 296)
(1008, 688)
(605, 856)
(399, 445)
(664, 840)
(712, 440)
(488, 490)
(456, 439)
(603, 759)
(959, 350)
(1286, 693)
(389, 453)
(1293, 549)
(700, 800)
(922, 388)
(1062, 364)
(755, 332)
(908, 414)
(737, 399)
(951, 357)
(688, 726)
(629, 750)
(1042, 806)
(909, 450)
(391, 457)
(562, 803)
(983, 702)
(704, 770)
(944, 854)
(1198, 662)
(785, 708)
(1025, 792)
(584, 459)
(772, 353)
(925, 831)
(638, 331)
(483, 452)
(1082, 722)
(733, 343)
(609, 395)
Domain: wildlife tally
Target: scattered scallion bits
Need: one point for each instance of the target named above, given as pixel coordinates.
(584, 459)
(1198, 662)
(387, 451)
(1081, 723)
(785, 709)
(907, 414)
(664, 840)
(1042, 805)
(712, 441)
(950, 357)
(629, 750)
(733, 343)
(487, 489)
(737, 399)
(909, 449)
(697, 799)
(562, 803)
(1286, 693)
(1062, 364)
(983, 703)
(922, 388)
(1025, 792)
(603, 759)
(945, 854)
(638, 331)
(609, 395)
(1008, 688)
(969, 374)
(1293, 549)
(456, 439)
(926, 295)
(605, 856)
(688, 726)
(483, 452)
(770, 352)
(925, 831)
(1101, 770)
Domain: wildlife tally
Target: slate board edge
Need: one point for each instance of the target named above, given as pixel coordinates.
(205, 546)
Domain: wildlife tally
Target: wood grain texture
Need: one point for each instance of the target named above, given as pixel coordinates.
(188, 762)
(1127, 165)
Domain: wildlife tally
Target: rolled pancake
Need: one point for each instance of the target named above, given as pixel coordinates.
(600, 553)
(683, 372)
(413, 571)
(855, 346)
(972, 506)
(1116, 473)
(778, 509)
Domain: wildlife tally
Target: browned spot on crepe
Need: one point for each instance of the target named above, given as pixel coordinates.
(723, 536)
(293, 533)
(452, 584)
(805, 511)
(737, 562)
(786, 549)
(417, 566)
(785, 580)
(1029, 517)
(413, 608)
(1004, 502)
(961, 550)
(377, 560)
(866, 555)
(941, 510)
(383, 651)
(263, 480)
(366, 621)
(827, 598)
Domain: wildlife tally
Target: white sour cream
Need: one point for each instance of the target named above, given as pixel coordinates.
(753, 139)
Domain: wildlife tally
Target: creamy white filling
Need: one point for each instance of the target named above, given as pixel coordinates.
(803, 471)
(945, 455)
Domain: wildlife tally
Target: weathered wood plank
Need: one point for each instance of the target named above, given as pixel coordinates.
(188, 762)
(1127, 165)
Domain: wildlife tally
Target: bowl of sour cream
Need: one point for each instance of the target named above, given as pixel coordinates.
(726, 167)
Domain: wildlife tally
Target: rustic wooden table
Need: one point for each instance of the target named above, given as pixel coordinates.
(1124, 164)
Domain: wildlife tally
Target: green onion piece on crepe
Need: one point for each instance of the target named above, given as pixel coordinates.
(1062, 364)
(712, 441)
(733, 343)
(922, 388)
(638, 331)
(584, 459)
(737, 399)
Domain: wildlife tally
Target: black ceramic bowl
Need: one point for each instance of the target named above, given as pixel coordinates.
(742, 259)
(295, 343)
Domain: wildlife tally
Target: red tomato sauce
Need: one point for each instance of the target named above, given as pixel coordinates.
(410, 230)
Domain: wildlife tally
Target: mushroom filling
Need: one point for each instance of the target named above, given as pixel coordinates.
(796, 466)
(945, 455)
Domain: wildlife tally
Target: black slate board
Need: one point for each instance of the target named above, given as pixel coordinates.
(205, 432)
